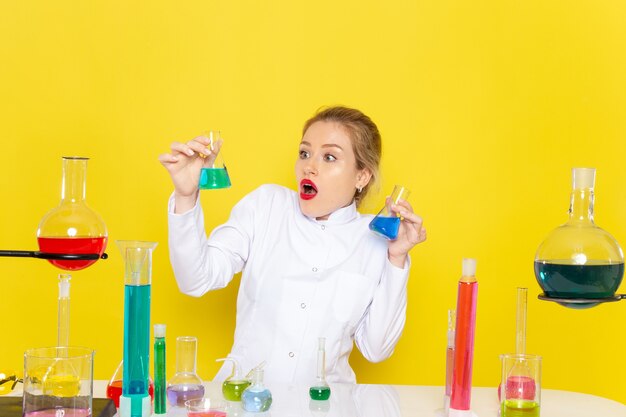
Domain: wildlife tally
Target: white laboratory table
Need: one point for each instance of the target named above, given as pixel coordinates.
(362, 400)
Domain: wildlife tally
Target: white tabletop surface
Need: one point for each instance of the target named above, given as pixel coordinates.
(363, 400)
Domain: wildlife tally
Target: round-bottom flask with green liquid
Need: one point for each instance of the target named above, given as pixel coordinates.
(319, 393)
(236, 383)
(232, 389)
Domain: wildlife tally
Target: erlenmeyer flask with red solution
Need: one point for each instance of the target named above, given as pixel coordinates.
(114, 387)
(72, 227)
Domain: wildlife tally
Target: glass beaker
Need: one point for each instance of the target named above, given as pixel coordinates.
(72, 227)
(387, 223)
(579, 260)
(58, 381)
(135, 399)
(185, 384)
(214, 175)
(521, 379)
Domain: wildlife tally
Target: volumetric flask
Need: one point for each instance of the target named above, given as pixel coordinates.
(185, 384)
(58, 381)
(214, 174)
(72, 227)
(580, 260)
(387, 222)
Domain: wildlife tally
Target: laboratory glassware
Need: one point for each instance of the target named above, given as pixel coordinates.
(387, 222)
(159, 370)
(135, 399)
(449, 359)
(114, 387)
(63, 334)
(73, 227)
(185, 384)
(236, 383)
(519, 374)
(320, 390)
(256, 397)
(467, 298)
(522, 392)
(579, 264)
(205, 407)
(58, 381)
(214, 175)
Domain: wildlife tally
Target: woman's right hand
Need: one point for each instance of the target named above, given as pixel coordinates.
(184, 163)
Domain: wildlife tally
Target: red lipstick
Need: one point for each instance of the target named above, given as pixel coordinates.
(308, 189)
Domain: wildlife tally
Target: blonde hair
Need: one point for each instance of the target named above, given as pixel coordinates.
(366, 142)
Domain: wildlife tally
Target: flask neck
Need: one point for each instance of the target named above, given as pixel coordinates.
(321, 365)
(581, 206)
(74, 179)
(257, 378)
(186, 349)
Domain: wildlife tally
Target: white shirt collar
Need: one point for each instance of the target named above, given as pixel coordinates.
(340, 216)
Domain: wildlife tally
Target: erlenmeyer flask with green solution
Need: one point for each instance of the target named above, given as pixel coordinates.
(214, 174)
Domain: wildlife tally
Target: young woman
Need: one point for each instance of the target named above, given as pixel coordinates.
(311, 267)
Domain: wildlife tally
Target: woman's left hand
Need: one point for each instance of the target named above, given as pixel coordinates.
(410, 234)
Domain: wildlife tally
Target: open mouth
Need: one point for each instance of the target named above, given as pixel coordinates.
(308, 190)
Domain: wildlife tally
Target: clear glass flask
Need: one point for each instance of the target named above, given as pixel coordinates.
(387, 223)
(256, 398)
(185, 384)
(236, 383)
(320, 391)
(214, 175)
(72, 227)
(580, 261)
(114, 386)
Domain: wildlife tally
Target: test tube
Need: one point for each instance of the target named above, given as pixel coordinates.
(159, 369)
(449, 359)
(464, 341)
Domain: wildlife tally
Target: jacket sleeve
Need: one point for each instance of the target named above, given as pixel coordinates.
(203, 264)
(381, 326)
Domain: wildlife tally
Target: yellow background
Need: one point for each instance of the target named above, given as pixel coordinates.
(484, 107)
